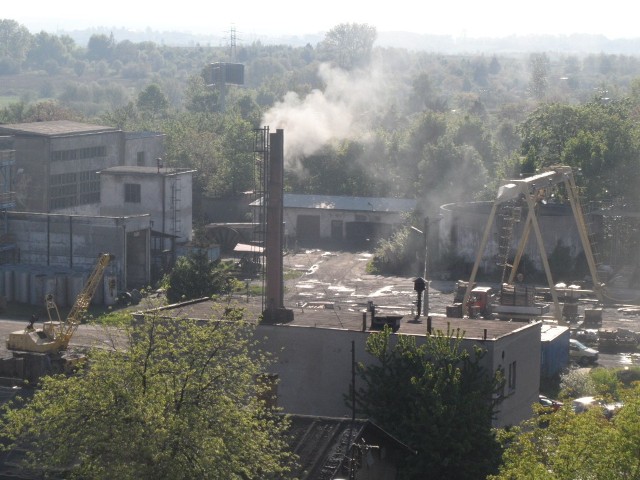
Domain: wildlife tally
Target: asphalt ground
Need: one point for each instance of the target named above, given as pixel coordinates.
(316, 276)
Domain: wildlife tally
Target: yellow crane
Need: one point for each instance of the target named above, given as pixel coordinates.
(529, 191)
(56, 334)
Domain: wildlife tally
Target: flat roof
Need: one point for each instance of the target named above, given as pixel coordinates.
(146, 134)
(351, 319)
(336, 202)
(135, 170)
(54, 128)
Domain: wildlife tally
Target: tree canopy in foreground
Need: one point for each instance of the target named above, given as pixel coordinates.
(181, 403)
(564, 445)
(437, 398)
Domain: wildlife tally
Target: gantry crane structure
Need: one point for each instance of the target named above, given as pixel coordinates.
(528, 192)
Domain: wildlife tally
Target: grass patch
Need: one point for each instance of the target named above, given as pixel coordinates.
(7, 100)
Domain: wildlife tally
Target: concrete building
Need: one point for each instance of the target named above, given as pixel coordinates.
(462, 225)
(57, 162)
(143, 149)
(7, 196)
(308, 218)
(163, 193)
(52, 244)
(313, 356)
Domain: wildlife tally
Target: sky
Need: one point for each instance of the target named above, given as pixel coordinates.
(470, 18)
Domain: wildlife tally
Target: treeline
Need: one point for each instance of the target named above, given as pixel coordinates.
(358, 119)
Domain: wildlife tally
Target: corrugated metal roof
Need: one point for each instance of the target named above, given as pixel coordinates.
(551, 332)
(336, 202)
(135, 170)
(53, 128)
(322, 443)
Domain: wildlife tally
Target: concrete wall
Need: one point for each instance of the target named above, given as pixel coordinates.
(462, 227)
(523, 348)
(314, 367)
(172, 190)
(150, 144)
(34, 166)
(74, 242)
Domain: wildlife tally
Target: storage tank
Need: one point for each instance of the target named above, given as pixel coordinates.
(21, 283)
(60, 294)
(36, 294)
(8, 285)
(98, 296)
(75, 284)
(50, 287)
(110, 290)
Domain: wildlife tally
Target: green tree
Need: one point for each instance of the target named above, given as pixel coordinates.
(15, 41)
(153, 101)
(195, 276)
(349, 45)
(182, 402)
(100, 47)
(437, 398)
(566, 446)
(47, 47)
(539, 83)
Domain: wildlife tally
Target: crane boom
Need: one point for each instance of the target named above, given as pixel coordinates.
(80, 306)
(56, 334)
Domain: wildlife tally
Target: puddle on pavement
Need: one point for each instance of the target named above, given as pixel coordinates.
(341, 289)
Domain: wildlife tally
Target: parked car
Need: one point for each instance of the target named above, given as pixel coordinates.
(581, 354)
(582, 404)
(549, 403)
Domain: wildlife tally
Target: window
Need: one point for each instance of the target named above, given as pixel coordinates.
(79, 153)
(512, 376)
(140, 159)
(132, 192)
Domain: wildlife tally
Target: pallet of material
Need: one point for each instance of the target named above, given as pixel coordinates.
(517, 295)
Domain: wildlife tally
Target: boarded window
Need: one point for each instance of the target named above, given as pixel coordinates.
(132, 193)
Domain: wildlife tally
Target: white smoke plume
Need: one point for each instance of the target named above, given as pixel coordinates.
(337, 113)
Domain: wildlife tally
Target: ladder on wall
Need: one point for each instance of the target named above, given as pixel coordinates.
(176, 224)
(510, 214)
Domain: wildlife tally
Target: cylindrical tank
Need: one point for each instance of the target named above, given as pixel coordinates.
(8, 285)
(50, 287)
(36, 295)
(110, 290)
(75, 284)
(98, 296)
(61, 289)
(22, 285)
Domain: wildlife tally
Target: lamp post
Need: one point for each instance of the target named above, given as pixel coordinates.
(424, 235)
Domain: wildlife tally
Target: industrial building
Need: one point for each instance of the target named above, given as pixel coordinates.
(313, 355)
(461, 226)
(57, 162)
(70, 191)
(309, 218)
(163, 193)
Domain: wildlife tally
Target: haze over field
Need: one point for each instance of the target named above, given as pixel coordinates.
(458, 18)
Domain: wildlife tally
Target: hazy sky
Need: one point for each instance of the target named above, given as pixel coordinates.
(494, 18)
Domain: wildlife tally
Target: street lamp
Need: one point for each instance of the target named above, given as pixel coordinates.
(424, 272)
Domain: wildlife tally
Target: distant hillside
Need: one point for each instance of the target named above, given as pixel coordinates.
(576, 44)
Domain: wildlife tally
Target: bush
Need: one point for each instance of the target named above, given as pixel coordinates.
(195, 276)
(577, 383)
(394, 256)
